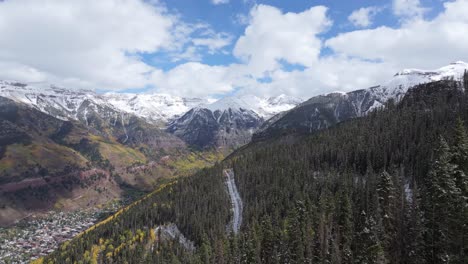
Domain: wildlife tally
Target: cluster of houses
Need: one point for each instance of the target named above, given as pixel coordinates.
(37, 237)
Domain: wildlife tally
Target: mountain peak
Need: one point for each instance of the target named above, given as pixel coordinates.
(264, 107)
(460, 63)
(454, 69)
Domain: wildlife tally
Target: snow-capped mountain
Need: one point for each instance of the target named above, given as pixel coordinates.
(68, 104)
(59, 102)
(397, 86)
(263, 107)
(230, 121)
(325, 110)
(153, 107)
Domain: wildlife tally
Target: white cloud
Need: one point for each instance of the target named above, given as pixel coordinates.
(241, 19)
(408, 9)
(273, 36)
(333, 73)
(84, 40)
(363, 17)
(362, 58)
(194, 79)
(95, 44)
(16, 71)
(219, 2)
(417, 43)
(213, 41)
(196, 40)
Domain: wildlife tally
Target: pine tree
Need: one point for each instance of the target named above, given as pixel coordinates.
(465, 79)
(441, 206)
(267, 253)
(345, 227)
(367, 247)
(414, 231)
(459, 154)
(205, 251)
(386, 196)
(295, 233)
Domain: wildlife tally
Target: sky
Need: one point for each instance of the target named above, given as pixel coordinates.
(214, 48)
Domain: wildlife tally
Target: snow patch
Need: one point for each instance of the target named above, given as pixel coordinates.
(171, 231)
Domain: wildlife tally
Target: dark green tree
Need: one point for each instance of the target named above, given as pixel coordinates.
(345, 225)
(387, 207)
(368, 247)
(459, 152)
(465, 79)
(440, 206)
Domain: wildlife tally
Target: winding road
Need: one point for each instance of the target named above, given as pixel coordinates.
(235, 200)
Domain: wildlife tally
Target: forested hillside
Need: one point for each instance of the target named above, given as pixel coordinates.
(390, 187)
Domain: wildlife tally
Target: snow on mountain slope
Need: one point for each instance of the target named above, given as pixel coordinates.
(264, 107)
(58, 102)
(68, 104)
(326, 110)
(397, 86)
(156, 108)
(230, 121)
(153, 107)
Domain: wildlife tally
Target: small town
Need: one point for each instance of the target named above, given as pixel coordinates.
(41, 235)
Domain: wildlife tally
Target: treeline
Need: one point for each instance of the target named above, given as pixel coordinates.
(387, 188)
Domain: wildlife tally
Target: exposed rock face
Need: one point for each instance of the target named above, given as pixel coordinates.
(321, 112)
(203, 127)
(229, 122)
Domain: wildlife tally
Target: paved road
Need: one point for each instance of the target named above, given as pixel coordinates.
(235, 200)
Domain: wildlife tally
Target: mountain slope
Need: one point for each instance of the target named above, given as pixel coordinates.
(46, 163)
(326, 110)
(38, 173)
(156, 108)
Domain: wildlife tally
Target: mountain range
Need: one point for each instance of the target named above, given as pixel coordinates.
(103, 144)
(178, 114)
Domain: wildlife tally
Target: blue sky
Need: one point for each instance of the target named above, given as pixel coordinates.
(199, 48)
(224, 17)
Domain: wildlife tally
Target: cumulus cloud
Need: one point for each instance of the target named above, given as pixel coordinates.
(95, 44)
(367, 57)
(273, 36)
(213, 41)
(419, 43)
(84, 40)
(333, 73)
(197, 39)
(194, 79)
(363, 17)
(408, 9)
(360, 58)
